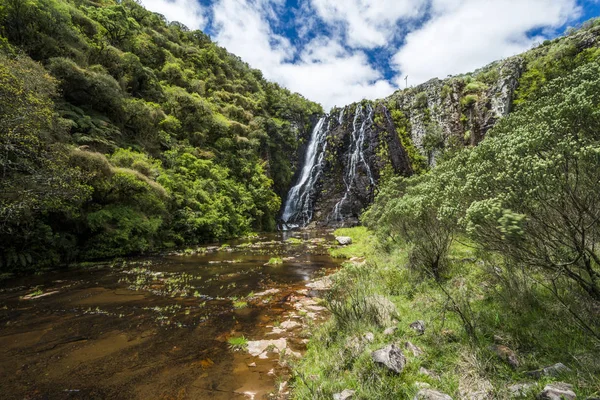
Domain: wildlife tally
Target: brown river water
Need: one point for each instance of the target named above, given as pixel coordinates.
(158, 327)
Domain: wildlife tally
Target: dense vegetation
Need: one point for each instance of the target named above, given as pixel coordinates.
(121, 133)
(496, 249)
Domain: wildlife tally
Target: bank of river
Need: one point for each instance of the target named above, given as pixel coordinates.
(159, 327)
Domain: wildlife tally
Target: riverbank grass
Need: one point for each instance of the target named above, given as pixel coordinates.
(475, 317)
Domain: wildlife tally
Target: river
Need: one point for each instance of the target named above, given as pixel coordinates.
(159, 327)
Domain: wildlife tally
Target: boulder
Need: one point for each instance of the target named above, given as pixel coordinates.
(520, 390)
(552, 370)
(344, 240)
(418, 326)
(381, 309)
(391, 357)
(507, 355)
(390, 331)
(414, 349)
(347, 394)
(430, 394)
(557, 391)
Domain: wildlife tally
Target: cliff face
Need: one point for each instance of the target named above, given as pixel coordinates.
(364, 144)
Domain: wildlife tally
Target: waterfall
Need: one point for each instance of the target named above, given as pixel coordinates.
(298, 206)
(360, 124)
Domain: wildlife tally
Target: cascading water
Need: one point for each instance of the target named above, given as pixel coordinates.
(298, 206)
(360, 124)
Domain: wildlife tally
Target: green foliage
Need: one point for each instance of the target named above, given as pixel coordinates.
(275, 261)
(238, 343)
(203, 142)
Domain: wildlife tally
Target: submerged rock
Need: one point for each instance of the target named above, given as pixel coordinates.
(391, 357)
(260, 348)
(430, 394)
(344, 240)
(557, 391)
(346, 394)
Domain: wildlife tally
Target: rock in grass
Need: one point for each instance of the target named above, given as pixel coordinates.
(347, 394)
(507, 355)
(431, 374)
(380, 309)
(414, 349)
(430, 394)
(369, 337)
(391, 357)
(390, 331)
(520, 390)
(553, 370)
(418, 326)
(557, 391)
(344, 240)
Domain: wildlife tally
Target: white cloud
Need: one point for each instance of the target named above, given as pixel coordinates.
(463, 35)
(333, 68)
(323, 71)
(188, 12)
(367, 23)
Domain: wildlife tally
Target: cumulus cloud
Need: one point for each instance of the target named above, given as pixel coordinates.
(324, 70)
(463, 35)
(335, 51)
(367, 23)
(188, 12)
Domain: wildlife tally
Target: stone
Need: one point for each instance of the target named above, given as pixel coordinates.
(552, 370)
(344, 240)
(431, 374)
(391, 357)
(557, 391)
(259, 348)
(390, 331)
(520, 390)
(289, 324)
(320, 284)
(346, 394)
(507, 355)
(430, 394)
(418, 326)
(381, 309)
(422, 385)
(369, 337)
(415, 350)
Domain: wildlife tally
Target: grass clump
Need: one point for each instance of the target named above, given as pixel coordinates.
(275, 261)
(362, 243)
(239, 304)
(238, 343)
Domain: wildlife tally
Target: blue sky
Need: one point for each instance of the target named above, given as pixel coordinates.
(339, 51)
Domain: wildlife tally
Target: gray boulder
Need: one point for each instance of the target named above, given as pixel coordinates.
(346, 394)
(553, 370)
(430, 394)
(520, 390)
(381, 309)
(344, 240)
(418, 326)
(557, 391)
(391, 357)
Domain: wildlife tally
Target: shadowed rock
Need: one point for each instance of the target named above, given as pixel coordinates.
(391, 357)
(557, 391)
(553, 370)
(418, 326)
(507, 355)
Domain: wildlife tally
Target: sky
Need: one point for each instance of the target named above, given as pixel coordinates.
(336, 52)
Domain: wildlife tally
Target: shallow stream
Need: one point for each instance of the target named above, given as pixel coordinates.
(159, 327)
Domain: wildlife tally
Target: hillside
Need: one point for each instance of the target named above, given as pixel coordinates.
(122, 133)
